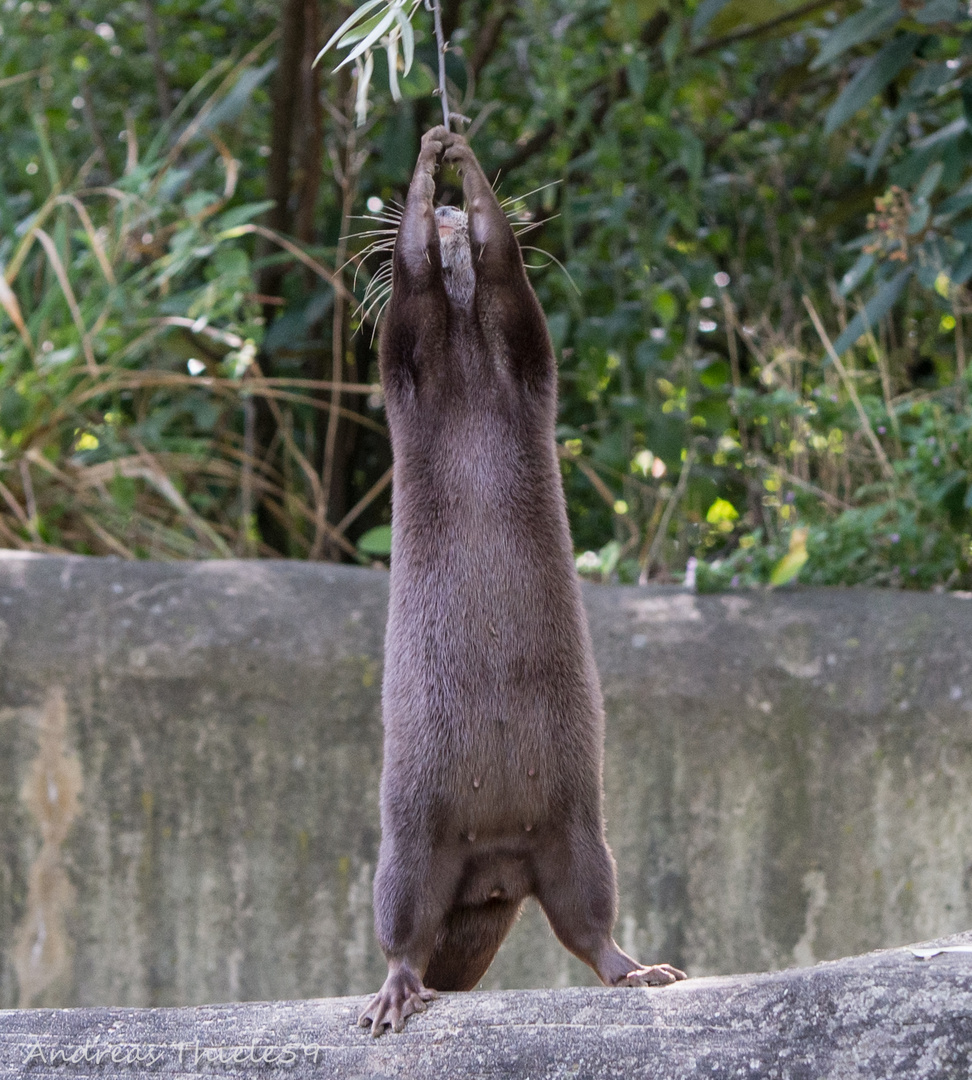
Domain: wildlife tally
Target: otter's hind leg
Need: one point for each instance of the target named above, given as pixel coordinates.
(414, 885)
(470, 939)
(576, 889)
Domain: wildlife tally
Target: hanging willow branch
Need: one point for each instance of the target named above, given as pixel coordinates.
(441, 50)
(388, 24)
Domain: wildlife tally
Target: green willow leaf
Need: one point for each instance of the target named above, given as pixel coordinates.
(352, 20)
(367, 42)
(408, 40)
(873, 77)
(391, 49)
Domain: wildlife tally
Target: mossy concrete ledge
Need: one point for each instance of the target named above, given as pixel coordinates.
(190, 757)
(886, 1014)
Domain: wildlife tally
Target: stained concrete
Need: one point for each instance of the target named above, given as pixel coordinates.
(190, 756)
(888, 1014)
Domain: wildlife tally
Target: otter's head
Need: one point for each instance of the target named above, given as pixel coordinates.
(457, 268)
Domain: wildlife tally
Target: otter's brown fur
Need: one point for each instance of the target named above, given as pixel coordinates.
(491, 788)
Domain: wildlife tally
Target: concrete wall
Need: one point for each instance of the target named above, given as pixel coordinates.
(190, 755)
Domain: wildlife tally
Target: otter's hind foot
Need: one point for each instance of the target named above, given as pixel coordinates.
(401, 995)
(656, 975)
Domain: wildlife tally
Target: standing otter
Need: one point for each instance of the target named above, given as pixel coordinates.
(491, 787)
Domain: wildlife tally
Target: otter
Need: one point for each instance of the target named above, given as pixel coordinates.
(491, 786)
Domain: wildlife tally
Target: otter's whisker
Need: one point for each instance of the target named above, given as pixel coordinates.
(552, 258)
(527, 194)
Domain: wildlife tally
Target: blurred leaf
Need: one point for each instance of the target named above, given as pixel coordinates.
(704, 14)
(873, 77)
(936, 11)
(864, 25)
(874, 310)
(793, 561)
(236, 100)
(881, 144)
(376, 541)
(929, 181)
(373, 35)
(721, 511)
(14, 410)
(852, 279)
(240, 215)
(355, 17)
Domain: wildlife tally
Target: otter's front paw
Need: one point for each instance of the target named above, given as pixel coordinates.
(436, 140)
(401, 995)
(458, 152)
(444, 136)
(432, 146)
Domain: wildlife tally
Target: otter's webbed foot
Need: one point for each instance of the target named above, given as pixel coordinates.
(401, 995)
(655, 975)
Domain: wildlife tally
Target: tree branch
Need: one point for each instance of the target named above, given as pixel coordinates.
(158, 63)
(760, 28)
(489, 36)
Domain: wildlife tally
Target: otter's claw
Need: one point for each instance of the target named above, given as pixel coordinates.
(401, 995)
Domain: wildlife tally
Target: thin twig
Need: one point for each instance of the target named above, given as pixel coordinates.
(162, 90)
(673, 500)
(322, 271)
(10, 304)
(366, 500)
(714, 44)
(32, 519)
(160, 480)
(110, 542)
(348, 181)
(246, 476)
(886, 467)
(441, 49)
(825, 496)
(65, 282)
(959, 352)
(18, 510)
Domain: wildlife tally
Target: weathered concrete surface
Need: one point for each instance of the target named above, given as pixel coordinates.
(190, 755)
(889, 1014)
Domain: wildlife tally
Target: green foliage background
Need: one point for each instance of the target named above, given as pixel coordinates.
(764, 211)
